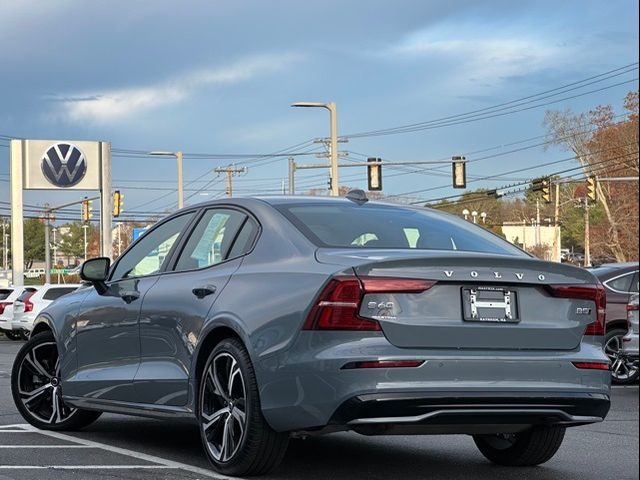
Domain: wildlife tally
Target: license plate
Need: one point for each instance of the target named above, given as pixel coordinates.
(490, 304)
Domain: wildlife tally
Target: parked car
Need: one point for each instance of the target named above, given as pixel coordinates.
(34, 273)
(7, 297)
(620, 281)
(266, 318)
(630, 341)
(25, 311)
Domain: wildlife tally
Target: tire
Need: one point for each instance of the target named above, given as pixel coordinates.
(11, 335)
(229, 407)
(36, 389)
(623, 369)
(525, 449)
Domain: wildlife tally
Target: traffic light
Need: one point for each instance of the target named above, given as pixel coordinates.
(546, 190)
(374, 174)
(592, 189)
(459, 167)
(118, 202)
(86, 210)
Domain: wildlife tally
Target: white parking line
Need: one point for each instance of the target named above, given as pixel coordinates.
(162, 462)
(83, 467)
(44, 446)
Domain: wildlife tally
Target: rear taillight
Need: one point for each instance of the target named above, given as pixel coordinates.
(2, 305)
(28, 306)
(595, 293)
(338, 305)
(592, 366)
(632, 307)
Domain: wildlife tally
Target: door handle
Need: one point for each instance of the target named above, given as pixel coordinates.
(130, 295)
(204, 290)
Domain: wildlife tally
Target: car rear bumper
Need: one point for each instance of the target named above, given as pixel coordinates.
(22, 321)
(467, 413)
(5, 323)
(308, 388)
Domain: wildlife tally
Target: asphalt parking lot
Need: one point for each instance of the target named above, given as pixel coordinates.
(136, 448)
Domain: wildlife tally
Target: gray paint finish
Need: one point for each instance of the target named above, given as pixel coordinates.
(140, 357)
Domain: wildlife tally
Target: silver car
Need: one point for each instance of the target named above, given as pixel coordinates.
(277, 317)
(630, 341)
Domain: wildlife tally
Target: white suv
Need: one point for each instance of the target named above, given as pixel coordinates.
(25, 311)
(7, 298)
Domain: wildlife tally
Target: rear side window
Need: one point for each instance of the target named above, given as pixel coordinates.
(4, 293)
(55, 293)
(621, 284)
(26, 295)
(244, 240)
(387, 226)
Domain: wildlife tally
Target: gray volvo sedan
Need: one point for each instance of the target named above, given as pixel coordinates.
(277, 317)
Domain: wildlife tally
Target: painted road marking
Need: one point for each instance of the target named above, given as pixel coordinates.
(44, 446)
(162, 463)
(84, 467)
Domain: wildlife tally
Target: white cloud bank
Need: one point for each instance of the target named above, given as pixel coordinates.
(113, 105)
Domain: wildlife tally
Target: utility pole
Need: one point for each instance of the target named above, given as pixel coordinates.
(55, 248)
(292, 176)
(556, 233)
(119, 237)
(333, 114)
(230, 171)
(537, 222)
(4, 246)
(587, 243)
(47, 247)
(85, 227)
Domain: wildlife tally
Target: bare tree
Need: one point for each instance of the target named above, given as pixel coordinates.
(606, 148)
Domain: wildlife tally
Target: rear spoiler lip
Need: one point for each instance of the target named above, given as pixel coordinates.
(455, 266)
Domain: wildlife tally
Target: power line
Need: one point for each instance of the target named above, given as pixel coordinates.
(512, 104)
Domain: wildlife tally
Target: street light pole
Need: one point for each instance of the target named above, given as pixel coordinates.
(180, 180)
(333, 140)
(179, 157)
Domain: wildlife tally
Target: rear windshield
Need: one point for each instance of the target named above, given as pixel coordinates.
(383, 226)
(4, 293)
(25, 295)
(54, 293)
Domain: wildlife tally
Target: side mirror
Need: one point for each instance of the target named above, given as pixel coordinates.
(96, 271)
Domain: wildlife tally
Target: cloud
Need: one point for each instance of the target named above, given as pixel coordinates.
(483, 58)
(113, 105)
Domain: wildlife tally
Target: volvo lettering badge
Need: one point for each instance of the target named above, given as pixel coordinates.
(64, 165)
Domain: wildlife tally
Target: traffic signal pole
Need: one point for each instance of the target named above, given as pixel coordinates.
(587, 242)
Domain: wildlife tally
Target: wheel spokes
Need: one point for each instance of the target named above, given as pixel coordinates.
(32, 395)
(223, 406)
(38, 384)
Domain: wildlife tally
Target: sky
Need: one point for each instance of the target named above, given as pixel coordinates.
(217, 78)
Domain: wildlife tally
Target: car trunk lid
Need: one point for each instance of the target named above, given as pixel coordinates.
(478, 301)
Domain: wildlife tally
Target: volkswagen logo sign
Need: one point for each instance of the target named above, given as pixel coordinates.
(64, 165)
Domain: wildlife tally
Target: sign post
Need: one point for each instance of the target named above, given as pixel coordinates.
(57, 165)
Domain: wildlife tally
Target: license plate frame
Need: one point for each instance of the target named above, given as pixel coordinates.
(490, 304)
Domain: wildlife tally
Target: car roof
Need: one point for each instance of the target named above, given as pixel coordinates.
(612, 269)
(295, 199)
